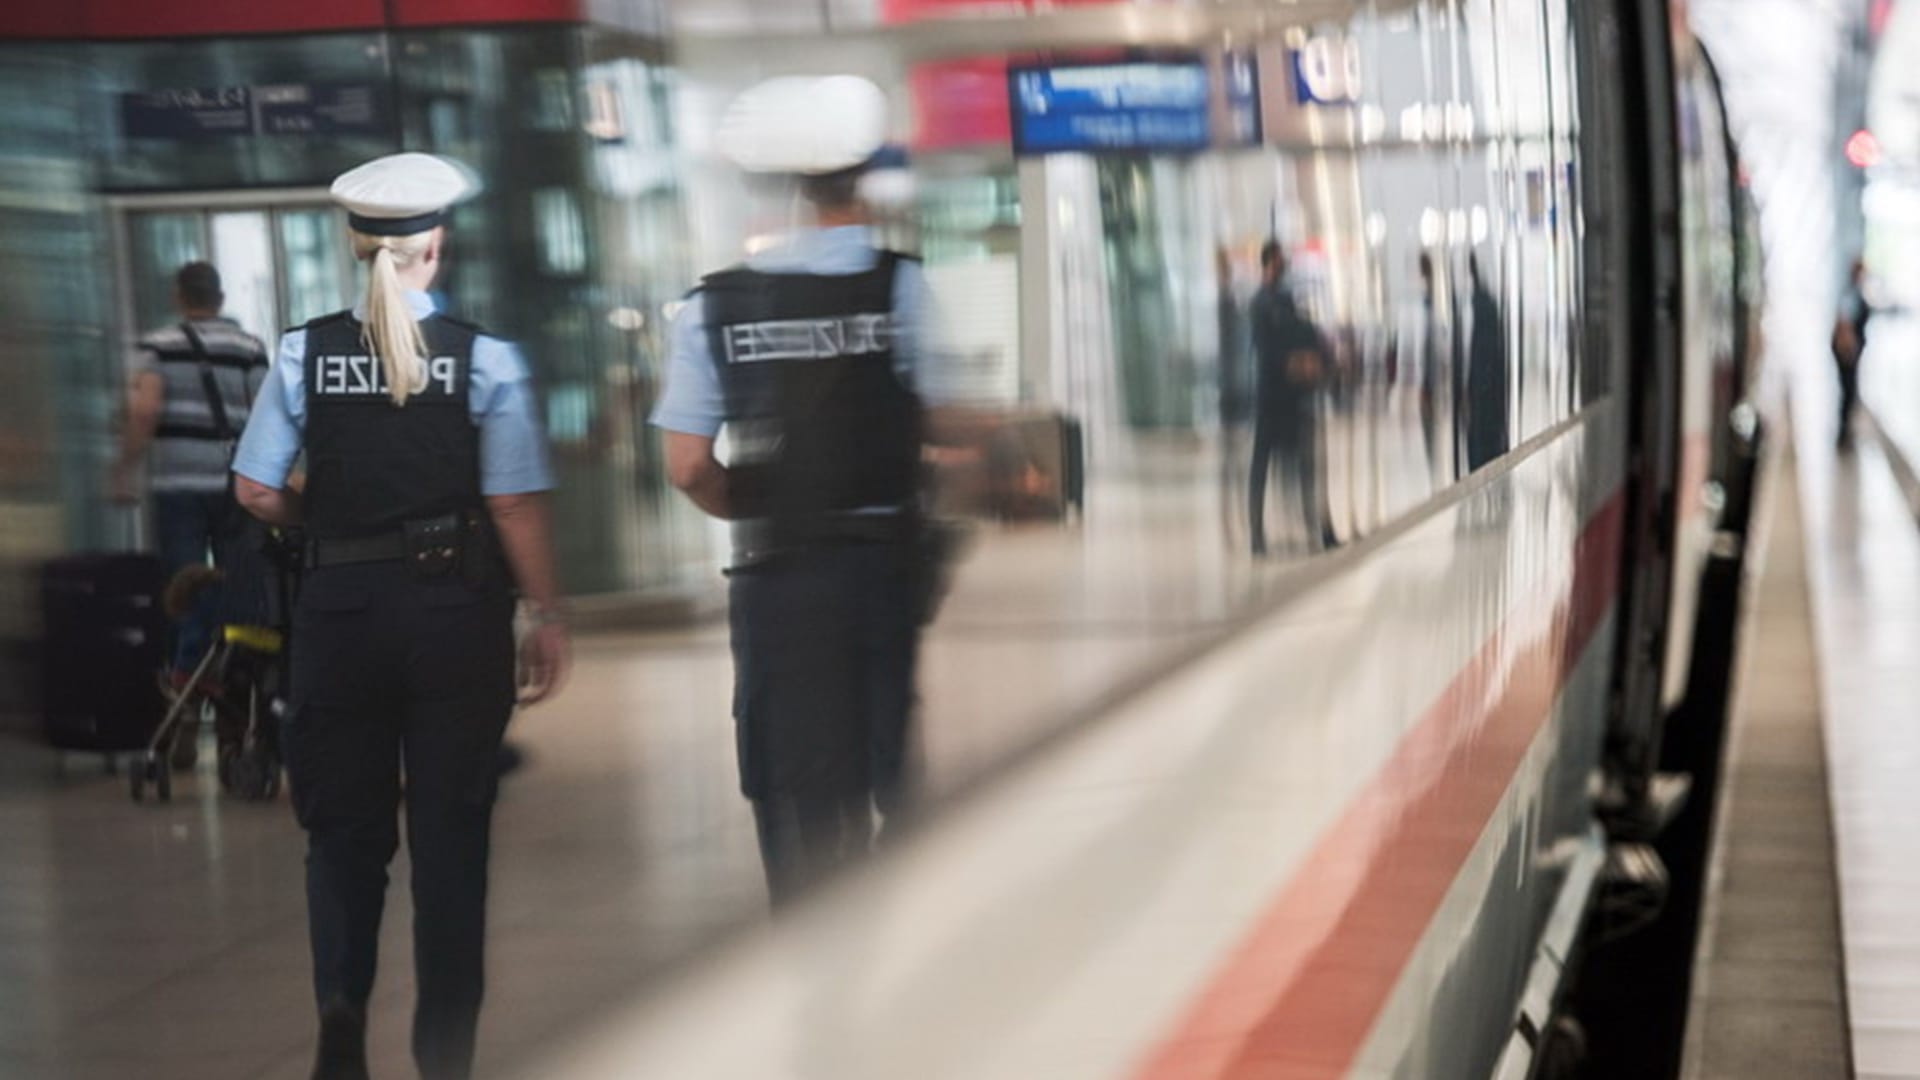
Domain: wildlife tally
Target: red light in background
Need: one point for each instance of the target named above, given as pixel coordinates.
(1863, 150)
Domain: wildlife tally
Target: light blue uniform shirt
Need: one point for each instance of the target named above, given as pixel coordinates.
(513, 448)
(692, 402)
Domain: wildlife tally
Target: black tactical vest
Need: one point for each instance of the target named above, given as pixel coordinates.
(373, 465)
(818, 420)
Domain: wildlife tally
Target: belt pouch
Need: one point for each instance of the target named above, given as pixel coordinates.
(435, 545)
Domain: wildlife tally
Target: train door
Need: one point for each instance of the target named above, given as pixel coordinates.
(283, 256)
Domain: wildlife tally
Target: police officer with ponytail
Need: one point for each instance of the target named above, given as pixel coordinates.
(428, 521)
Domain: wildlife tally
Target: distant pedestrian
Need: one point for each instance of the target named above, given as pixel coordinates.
(1293, 366)
(1487, 392)
(192, 385)
(1849, 344)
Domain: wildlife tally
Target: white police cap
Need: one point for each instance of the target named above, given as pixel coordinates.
(402, 194)
(811, 125)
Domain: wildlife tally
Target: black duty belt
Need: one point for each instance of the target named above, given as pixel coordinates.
(758, 540)
(404, 543)
(386, 547)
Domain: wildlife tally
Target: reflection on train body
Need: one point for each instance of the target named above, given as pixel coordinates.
(1378, 296)
(1428, 211)
(1413, 176)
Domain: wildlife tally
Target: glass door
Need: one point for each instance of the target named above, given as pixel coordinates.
(159, 243)
(243, 253)
(316, 269)
(282, 259)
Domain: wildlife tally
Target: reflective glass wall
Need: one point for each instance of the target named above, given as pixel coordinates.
(1182, 422)
(54, 348)
(145, 155)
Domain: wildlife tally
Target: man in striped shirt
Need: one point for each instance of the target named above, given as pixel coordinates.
(191, 387)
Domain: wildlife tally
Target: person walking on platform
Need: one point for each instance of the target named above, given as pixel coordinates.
(191, 388)
(425, 507)
(1487, 391)
(813, 355)
(1292, 366)
(1849, 344)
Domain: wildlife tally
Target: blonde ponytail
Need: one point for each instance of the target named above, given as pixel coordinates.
(389, 329)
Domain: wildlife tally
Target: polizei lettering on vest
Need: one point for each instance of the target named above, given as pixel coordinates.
(363, 376)
(809, 339)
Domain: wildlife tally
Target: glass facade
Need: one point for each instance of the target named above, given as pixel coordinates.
(54, 346)
(572, 250)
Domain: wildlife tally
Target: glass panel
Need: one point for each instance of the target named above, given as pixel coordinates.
(243, 253)
(562, 236)
(314, 267)
(323, 70)
(63, 375)
(159, 244)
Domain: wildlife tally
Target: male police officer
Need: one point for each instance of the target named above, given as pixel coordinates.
(812, 356)
(426, 466)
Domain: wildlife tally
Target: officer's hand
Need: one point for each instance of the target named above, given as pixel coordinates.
(545, 656)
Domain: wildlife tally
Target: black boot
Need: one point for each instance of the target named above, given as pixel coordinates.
(343, 1043)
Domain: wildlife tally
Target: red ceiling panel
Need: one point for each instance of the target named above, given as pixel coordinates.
(209, 18)
(477, 12)
(30, 20)
(128, 19)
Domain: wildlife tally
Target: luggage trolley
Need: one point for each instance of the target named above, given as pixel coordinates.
(241, 681)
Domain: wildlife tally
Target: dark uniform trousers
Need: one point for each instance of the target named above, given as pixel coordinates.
(824, 642)
(398, 675)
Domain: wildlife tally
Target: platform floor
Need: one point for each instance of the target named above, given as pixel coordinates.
(162, 942)
(1864, 553)
(1769, 999)
(169, 941)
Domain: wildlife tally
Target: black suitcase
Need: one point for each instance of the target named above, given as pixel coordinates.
(1073, 464)
(105, 636)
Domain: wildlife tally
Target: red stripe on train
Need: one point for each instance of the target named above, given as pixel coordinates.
(1298, 997)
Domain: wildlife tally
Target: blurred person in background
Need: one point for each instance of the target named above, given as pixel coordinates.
(1292, 365)
(425, 505)
(814, 356)
(1235, 383)
(1849, 344)
(1486, 396)
(191, 386)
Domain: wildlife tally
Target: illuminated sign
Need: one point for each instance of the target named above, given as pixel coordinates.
(1126, 105)
(1326, 71)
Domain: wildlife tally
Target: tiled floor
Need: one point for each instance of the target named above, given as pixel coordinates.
(1768, 990)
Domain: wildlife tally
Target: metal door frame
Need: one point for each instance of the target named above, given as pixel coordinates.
(206, 203)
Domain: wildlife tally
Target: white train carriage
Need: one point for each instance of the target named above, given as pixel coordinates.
(1361, 834)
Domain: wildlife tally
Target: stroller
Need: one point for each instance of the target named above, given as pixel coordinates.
(242, 679)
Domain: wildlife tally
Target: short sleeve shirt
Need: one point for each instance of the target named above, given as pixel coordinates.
(692, 402)
(513, 444)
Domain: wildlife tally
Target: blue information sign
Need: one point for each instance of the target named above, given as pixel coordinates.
(1125, 105)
